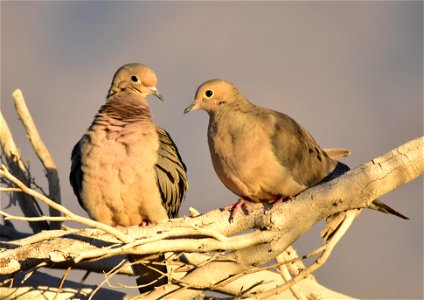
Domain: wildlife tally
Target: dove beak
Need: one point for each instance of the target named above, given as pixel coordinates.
(156, 93)
(191, 107)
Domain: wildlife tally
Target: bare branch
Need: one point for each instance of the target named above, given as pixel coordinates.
(41, 151)
(31, 219)
(9, 190)
(13, 160)
(355, 189)
(278, 226)
(332, 242)
(44, 286)
(70, 216)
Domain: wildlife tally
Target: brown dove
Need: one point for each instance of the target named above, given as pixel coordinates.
(260, 154)
(125, 169)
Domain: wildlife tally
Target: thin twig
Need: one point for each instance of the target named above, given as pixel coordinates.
(145, 264)
(72, 217)
(42, 236)
(10, 190)
(285, 274)
(32, 270)
(331, 243)
(249, 271)
(33, 219)
(61, 282)
(112, 272)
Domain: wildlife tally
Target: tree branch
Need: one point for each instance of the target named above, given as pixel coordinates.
(42, 152)
(14, 162)
(277, 228)
(70, 216)
(355, 189)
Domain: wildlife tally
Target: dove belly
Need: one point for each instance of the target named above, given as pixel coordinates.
(119, 181)
(250, 170)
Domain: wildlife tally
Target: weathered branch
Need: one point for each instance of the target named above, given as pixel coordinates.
(328, 248)
(356, 189)
(42, 152)
(15, 164)
(44, 286)
(281, 225)
(68, 215)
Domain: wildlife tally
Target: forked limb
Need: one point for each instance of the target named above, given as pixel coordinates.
(334, 231)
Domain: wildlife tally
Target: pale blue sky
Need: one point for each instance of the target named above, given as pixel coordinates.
(350, 72)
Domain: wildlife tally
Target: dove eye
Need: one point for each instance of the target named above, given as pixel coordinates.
(134, 78)
(208, 93)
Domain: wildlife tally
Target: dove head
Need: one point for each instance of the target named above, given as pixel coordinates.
(213, 95)
(135, 77)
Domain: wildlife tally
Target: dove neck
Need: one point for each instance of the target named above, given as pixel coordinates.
(238, 105)
(126, 109)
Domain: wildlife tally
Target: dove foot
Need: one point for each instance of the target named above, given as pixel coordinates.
(241, 204)
(281, 200)
(145, 223)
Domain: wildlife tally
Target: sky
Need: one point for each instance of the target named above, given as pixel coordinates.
(351, 73)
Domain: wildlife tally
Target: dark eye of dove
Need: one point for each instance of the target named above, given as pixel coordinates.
(134, 78)
(208, 93)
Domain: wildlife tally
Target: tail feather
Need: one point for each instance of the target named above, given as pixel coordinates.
(380, 206)
(146, 276)
(336, 153)
(340, 169)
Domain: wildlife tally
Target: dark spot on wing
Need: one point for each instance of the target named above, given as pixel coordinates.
(299, 131)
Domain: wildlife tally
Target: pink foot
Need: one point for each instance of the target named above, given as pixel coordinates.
(242, 204)
(276, 202)
(144, 224)
(280, 200)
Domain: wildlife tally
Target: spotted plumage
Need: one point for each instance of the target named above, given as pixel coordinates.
(260, 154)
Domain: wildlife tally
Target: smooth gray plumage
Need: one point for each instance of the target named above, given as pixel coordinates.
(260, 154)
(126, 170)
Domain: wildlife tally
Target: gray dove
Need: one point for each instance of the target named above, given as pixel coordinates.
(125, 169)
(260, 154)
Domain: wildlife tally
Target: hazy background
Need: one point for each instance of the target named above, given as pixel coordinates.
(350, 72)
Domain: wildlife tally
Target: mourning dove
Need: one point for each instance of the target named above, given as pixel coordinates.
(126, 170)
(260, 154)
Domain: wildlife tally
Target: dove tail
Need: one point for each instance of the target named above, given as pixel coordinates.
(147, 277)
(380, 206)
(340, 169)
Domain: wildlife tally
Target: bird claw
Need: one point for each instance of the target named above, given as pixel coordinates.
(145, 223)
(276, 202)
(281, 200)
(273, 204)
(241, 204)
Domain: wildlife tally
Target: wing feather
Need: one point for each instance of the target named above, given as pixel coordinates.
(75, 176)
(171, 173)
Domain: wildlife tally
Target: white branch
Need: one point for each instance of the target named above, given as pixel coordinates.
(14, 161)
(278, 226)
(70, 216)
(355, 189)
(42, 152)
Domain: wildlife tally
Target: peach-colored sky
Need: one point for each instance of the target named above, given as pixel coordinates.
(350, 72)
